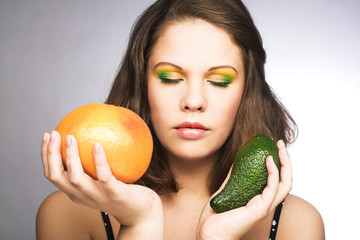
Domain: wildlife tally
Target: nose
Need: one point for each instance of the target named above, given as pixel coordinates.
(194, 99)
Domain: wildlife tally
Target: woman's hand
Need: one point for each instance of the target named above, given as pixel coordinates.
(138, 209)
(235, 223)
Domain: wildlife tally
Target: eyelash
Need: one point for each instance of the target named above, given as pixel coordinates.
(220, 84)
(169, 81)
(165, 80)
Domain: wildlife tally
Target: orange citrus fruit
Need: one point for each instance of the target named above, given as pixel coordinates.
(125, 137)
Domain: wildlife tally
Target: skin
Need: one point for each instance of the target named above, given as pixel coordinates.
(193, 53)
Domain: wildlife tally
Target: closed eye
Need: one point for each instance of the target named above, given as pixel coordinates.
(223, 84)
(169, 80)
(169, 77)
(221, 77)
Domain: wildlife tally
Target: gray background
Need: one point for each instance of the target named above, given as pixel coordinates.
(58, 55)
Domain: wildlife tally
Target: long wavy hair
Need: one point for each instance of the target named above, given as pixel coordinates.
(260, 111)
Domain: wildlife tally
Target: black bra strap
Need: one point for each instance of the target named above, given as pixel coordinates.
(108, 228)
(275, 222)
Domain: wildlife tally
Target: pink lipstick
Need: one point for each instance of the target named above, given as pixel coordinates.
(191, 130)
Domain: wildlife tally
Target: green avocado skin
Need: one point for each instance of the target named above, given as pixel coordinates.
(249, 175)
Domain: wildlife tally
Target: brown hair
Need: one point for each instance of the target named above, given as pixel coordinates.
(260, 111)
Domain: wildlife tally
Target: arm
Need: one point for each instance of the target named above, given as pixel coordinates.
(133, 206)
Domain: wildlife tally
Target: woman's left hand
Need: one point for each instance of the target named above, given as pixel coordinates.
(235, 223)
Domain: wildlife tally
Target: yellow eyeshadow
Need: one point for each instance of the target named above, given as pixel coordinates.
(161, 69)
(226, 72)
(168, 73)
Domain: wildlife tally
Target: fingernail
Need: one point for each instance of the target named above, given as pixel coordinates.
(97, 147)
(45, 137)
(53, 136)
(281, 143)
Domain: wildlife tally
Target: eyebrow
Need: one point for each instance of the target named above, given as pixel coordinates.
(180, 68)
(225, 66)
(167, 63)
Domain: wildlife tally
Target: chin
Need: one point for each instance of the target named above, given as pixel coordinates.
(193, 155)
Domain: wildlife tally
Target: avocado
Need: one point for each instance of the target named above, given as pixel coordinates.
(248, 177)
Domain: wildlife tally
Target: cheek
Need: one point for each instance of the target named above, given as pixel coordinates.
(230, 113)
(234, 106)
(151, 96)
(154, 105)
(160, 105)
(228, 106)
(162, 99)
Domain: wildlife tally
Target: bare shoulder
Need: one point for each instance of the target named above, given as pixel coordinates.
(60, 218)
(300, 220)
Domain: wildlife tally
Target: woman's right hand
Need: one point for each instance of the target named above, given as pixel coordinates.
(137, 208)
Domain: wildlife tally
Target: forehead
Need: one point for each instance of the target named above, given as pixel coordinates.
(195, 41)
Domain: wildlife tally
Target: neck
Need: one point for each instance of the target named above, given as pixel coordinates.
(193, 175)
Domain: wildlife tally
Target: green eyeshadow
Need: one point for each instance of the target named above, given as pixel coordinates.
(163, 75)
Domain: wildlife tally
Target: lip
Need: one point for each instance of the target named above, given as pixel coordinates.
(191, 130)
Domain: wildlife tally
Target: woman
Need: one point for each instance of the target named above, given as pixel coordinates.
(194, 71)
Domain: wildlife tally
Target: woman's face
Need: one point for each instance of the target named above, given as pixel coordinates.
(195, 83)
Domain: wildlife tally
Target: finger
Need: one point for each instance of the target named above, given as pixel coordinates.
(103, 171)
(57, 174)
(44, 147)
(73, 163)
(285, 162)
(266, 199)
(77, 177)
(54, 160)
(270, 191)
(286, 172)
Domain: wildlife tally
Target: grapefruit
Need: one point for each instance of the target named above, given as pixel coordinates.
(125, 137)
